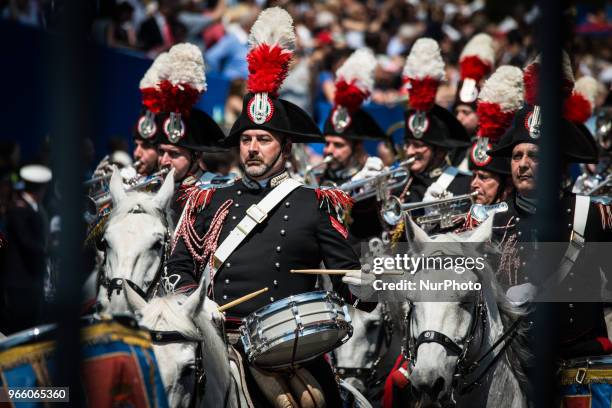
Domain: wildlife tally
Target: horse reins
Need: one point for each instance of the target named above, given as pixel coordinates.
(463, 368)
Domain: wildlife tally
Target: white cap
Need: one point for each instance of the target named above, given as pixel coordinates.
(35, 173)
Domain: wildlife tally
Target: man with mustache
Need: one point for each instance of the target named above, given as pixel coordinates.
(431, 131)
(346, 129)
(270, 222)
(170, 121)
(582, 329)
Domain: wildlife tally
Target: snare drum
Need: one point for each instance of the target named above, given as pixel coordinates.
(118, 365)
(296, 329)
(587, 382)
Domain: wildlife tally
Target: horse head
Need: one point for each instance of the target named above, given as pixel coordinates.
(135, 241)
(175, 340)
(446, 327)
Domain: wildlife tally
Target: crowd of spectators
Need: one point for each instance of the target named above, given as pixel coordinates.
(328, 31)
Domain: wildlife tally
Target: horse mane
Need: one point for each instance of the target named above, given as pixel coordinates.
(144, 202)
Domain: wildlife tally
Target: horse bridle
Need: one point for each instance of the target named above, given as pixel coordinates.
(116, 284)
(468, 361)
(161, 337)
(368, 375)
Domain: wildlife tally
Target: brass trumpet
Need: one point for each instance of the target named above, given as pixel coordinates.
(393, 209)
(379, 184)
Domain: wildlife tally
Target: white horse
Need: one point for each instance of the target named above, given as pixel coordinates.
(449, 331)
(180, 325)
(135, 243)
(368, 357)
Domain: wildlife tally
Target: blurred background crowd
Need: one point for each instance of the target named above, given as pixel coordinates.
(327, 31)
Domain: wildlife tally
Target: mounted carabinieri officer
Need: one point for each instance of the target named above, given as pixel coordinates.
(431, 131)
(582, 328)
(170, 120)
(240, 238)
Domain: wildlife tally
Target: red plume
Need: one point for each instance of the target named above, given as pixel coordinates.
(474, 68)
(268, 68)
(152, 99)
(577, 108)
(493, 121)
(422, 93)
(178, 98)
(349, 95)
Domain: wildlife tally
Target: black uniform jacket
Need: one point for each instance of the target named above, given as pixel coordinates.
(580, 322)
(421, 182)
(300, 233)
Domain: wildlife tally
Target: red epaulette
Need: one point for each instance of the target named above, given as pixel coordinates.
(337, 204)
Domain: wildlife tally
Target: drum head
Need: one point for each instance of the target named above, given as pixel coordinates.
(310, 344)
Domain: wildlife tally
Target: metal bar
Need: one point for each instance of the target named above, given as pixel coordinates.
(67, 99)
(549, 40)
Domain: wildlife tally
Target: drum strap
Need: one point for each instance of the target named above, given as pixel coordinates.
(255, 215)
(581, 214)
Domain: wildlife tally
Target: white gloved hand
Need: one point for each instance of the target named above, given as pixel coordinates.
(521, 294)
(372, 167)
(103, 168)
(360, 284)
(211, 308)
(436, 192)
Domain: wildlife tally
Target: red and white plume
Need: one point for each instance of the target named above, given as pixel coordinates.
(477, 58)
(355, 80)
(272, 42)
(578, 108)
(423, 71)
(501, 96)
(175, 81)
(531, 75)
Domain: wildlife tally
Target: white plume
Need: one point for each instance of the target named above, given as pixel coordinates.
(588, 87)
(158, 70)
(186, 66)
(505, 88)
(359, 67)
(481, 46)
(273, 26)
(424, 60)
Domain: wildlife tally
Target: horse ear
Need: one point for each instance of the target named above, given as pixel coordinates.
(134, 300)
(195, 301)
(420, 236)
(166, 192)
(116, 187)
(483, 232)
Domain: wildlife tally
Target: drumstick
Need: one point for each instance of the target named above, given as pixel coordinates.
(336, 271)
(241, 300)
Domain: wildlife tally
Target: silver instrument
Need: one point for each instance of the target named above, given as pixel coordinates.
(297, 329)
(446, 209)
(95, 203)
(102, 179)
(380, 184)
(309, 175)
